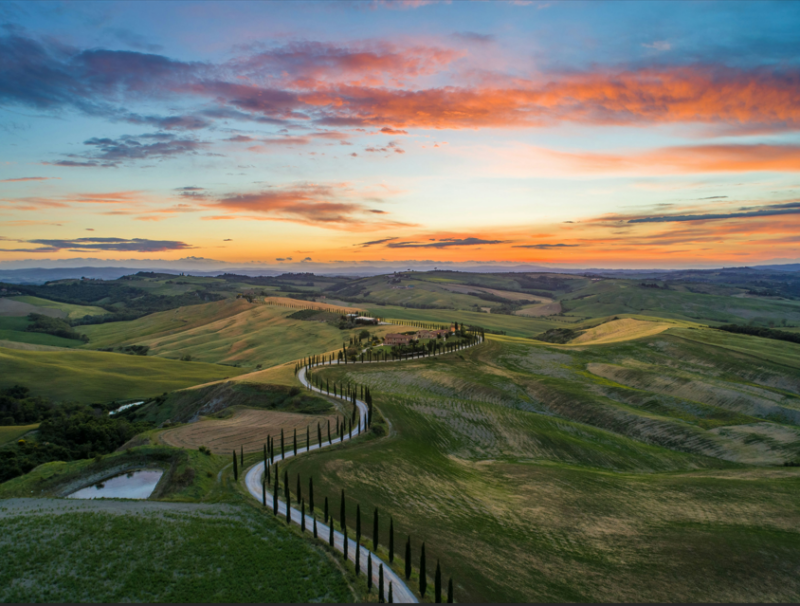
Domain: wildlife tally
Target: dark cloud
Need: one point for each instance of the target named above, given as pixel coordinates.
(393, 131)
(544, 246)
(106, 152)
(713, 198)
(284, 259)
(789, 208)
(446, 243)
(306, 259)
(374, 242)
(228, 240)
(474, 37)
(109, 244)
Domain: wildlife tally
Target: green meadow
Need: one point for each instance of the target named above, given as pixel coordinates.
(91, 376)
(646, 470)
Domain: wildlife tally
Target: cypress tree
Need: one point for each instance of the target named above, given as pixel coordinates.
(299, 492)
(450, 591)
(423, 579)
(242, 451)
(345, 544)
(375, 532)
(311, 495)
(380, 584)
(235, 468)
(275, 500)
(288, 497)
(295, 441)
(326, 510)
(391, 540)
(358, 523)
(315, 527)
(319, 435)
(268, 478)
(264, 491)
(437, 584)
(329, 433)
(282, 451)
(358, 557)
(369, 571)
(302, 515)
(330, 536)
(408, 558)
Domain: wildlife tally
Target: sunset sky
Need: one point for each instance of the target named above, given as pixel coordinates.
(579, 134)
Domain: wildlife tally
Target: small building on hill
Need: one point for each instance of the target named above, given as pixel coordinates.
(432, 334)
(395, 339)
(365, 320)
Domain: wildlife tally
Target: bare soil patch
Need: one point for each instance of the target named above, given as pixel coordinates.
(246, 429)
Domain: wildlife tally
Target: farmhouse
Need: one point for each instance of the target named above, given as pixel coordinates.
(395, 339)
(432, 334)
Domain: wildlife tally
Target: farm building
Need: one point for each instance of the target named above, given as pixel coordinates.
(395, 339)
(365, 320)
(432, 334)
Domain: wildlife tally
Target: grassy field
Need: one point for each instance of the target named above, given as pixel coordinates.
(534, 479)
(512, 325)
(9, 433)
(246, 428)
(13, 329)
(229, 332)
(149, 552)
(68, 310)
(90, 376)
(610, 297)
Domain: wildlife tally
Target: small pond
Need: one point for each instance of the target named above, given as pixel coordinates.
(131, 485)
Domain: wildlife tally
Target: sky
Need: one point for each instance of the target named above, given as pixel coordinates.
(598, 134)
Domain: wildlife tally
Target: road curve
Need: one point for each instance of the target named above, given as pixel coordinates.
(400, 591)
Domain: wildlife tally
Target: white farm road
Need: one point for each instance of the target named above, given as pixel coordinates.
(253, 480)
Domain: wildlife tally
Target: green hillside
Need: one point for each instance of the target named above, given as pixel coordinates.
(91, 376)
(638, 470)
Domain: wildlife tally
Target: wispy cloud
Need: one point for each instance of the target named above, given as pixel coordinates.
(446, 243)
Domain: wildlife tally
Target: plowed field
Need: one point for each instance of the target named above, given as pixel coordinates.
(248, 429)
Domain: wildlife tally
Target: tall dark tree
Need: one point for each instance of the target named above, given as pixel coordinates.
(369, 571)
(282, 451)
(358, 557)
(264, 491)
(242, 454)
(315, 527)
(319, 435)
(275, 499)
(325, 518)
(358, 523)
(437, 584)
(380, 584)
(408, 558)
(235, 468)
(302, 515)
(391, 597)
(299, 490)
(423, 579)
(391, 540)
(288, 496)
(345, 545)
(329, 433)
(330, 535)
(450, 591)
(375, 532)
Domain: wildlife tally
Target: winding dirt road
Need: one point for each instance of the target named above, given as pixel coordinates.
(400, 591)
